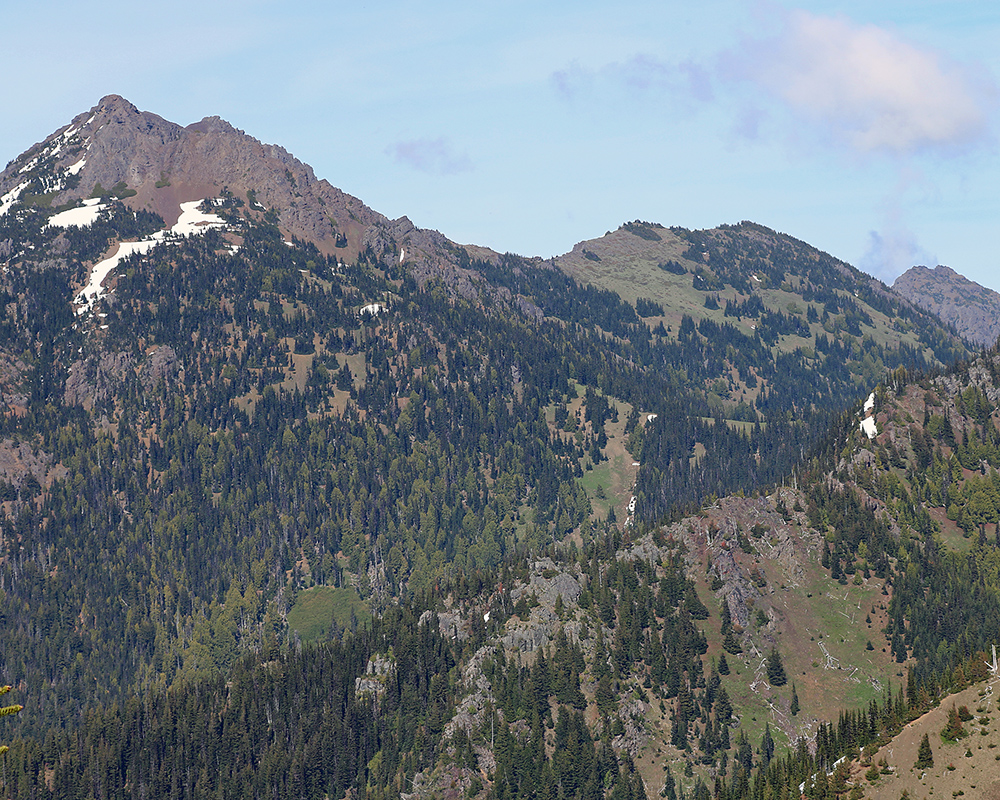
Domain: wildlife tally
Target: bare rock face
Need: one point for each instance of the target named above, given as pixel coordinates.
(377, 673)
(19, 462)
(546, 585)
(166, 164)
(973, 310)
(97, 378)
(160, 364)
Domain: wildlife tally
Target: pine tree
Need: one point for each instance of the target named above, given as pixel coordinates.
(766, 746)
(795, 701)
(775, 671)
(731, 644)
(925, 757)
(954, 730)
(723, 708)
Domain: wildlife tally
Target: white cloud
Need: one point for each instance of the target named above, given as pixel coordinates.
(434, 156)
(865, 85)
(893, 251)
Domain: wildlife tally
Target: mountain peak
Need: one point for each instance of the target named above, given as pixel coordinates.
(972, 309)
(157, 165)
(114, 102)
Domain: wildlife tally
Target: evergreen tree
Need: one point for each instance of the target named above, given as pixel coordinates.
(766, 746)
(775, 670)
(723, 708)
(954, 730)
(731, 644)
(925, 757)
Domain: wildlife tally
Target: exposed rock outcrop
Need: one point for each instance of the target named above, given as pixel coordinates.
(97, 378)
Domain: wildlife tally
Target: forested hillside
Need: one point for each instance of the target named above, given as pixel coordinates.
(238, 473)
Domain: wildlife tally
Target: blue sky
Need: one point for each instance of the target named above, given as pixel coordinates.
(866, 129)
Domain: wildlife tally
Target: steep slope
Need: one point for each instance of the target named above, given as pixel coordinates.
(972, 309)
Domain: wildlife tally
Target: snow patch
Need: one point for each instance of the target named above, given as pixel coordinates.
(10, 198)
(868, 423)
(373, 308)
(81, 216)
(93, 290)
(74, 169)
(191, 223)
(402, 254)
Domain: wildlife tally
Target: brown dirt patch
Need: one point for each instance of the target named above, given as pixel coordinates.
(974, 776)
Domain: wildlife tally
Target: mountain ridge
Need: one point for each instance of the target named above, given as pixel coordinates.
(160, 164)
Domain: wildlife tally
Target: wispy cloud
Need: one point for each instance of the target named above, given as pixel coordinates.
(866, 86)
(893, 251)
(641, 73)
(433, 156)
(571, 80)
(846, 83)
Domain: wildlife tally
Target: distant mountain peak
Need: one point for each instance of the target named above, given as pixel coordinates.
(972, 309)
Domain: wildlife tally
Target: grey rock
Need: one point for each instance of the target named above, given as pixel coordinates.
(973, 310)
(94, 379)
(376, 674)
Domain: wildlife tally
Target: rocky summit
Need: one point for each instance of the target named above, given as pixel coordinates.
(157, 165)
(972, 309)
